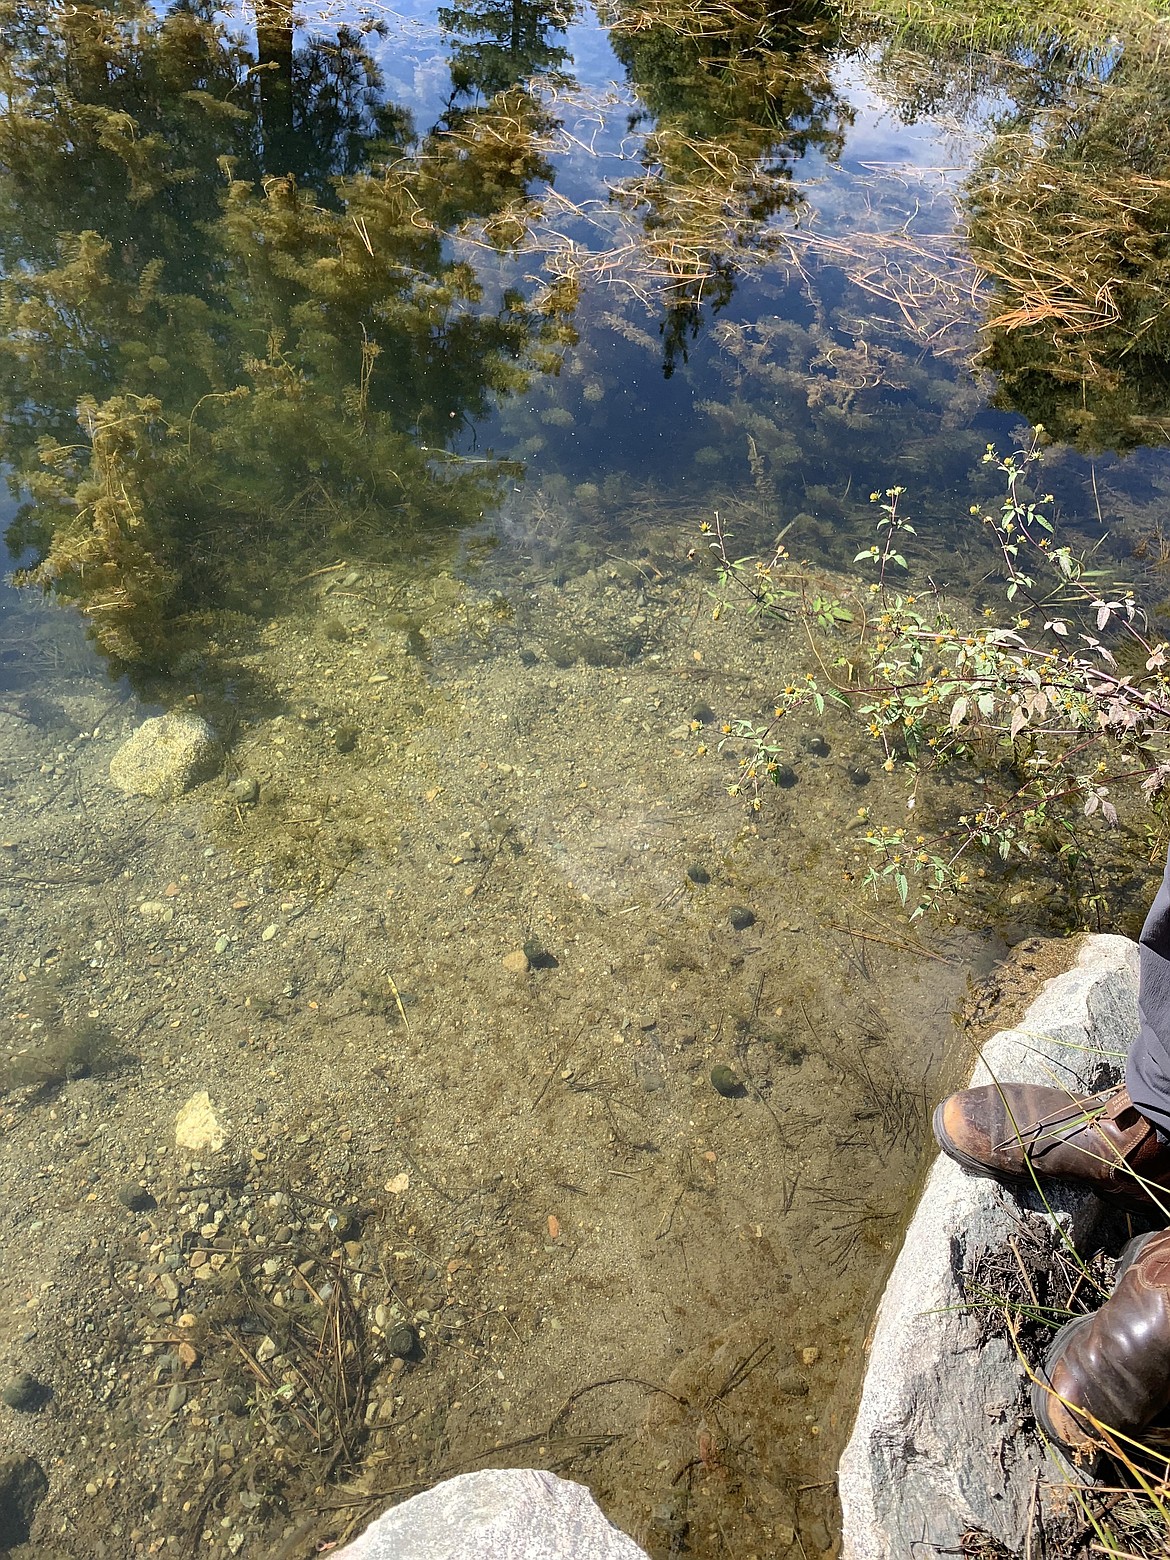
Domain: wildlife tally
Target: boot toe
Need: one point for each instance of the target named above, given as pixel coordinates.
(959, 1130)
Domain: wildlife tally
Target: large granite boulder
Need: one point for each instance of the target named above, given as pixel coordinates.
(498, 1514)
(938, 1445)
(166, 756)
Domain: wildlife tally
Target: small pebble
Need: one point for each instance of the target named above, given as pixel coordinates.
(741, 917)
(176, 1397)
(725, 1081)
(791, 1383)
(403, 1341)
(135, 1197)
(516, 962)
(245, 790)
(24, 1393)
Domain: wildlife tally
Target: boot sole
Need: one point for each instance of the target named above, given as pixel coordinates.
(1041, 1394)
(1136, 1201)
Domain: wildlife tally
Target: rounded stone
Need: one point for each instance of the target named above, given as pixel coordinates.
(24, 1393)
(403, 1341)
(345, 1224)
(23, 1485)
(167, 756)
(741, 917)
(726, 1081)
(135, 1197)
(516, 962)
(245, 790)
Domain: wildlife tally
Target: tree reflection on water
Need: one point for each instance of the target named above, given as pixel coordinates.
(231, 274)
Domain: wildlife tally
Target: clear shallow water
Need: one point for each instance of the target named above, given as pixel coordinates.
(479, 708)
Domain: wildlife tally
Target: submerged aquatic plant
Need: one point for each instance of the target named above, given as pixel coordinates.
(214, 325)
(1052, 709)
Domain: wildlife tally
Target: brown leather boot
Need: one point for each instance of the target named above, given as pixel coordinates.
(1015, 1131)
(1110, 1371)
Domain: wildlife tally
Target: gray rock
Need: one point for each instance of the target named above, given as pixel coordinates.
(499, 1514)
(135, 1197)
(166, 756)
(741, 917)
(245, 789)
(937, 1447)
(725, 1081)
(23, 1486)
(403, 1342)
(24, 1393)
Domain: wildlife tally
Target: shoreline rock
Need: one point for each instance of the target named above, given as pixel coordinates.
(496, 1514)
(937, 1446)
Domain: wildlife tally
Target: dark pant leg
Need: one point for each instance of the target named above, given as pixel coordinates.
(1147, 1073)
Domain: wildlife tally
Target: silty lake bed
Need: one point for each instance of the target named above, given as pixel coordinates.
(571, 1108)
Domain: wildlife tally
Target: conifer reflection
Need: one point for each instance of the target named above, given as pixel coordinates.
(497, 44)
(224, 341)
(735, 96)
